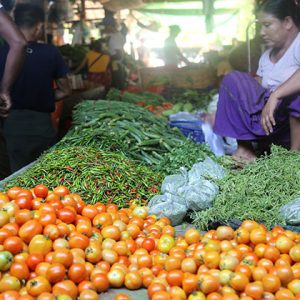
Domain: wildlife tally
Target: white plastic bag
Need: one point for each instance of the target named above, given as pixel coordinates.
(169, 206)
(291, 212)
(173, 183)
(200, 196)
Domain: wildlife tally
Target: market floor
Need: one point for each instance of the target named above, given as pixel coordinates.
(140, 294)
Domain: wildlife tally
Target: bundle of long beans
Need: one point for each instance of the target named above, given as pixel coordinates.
(119, 126)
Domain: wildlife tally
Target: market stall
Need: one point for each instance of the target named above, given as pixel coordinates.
(137, 199)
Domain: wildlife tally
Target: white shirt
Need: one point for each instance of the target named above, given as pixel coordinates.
(1, 5)
(116, 42)
(274, 74)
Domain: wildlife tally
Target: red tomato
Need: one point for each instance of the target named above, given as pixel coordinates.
(20, 271)
(13, 192)
(41, 191)
(63, 256)
(22, 216)
(66, 287)
(133, 280)
(38, 285)
(13, 244)
(148, 244)
(101, 282)
(56, 272)
(23, 202)
(47, 218)
(175, 277)
(29, 229)
(33, 260)
(77, 273)
(67, 215)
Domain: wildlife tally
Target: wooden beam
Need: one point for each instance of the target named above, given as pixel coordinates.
(82, 13)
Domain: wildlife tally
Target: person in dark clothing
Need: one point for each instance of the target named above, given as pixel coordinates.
(16, 41)
(28, 129)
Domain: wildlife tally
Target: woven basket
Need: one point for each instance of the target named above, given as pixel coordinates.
(198, 77)
(155, 76)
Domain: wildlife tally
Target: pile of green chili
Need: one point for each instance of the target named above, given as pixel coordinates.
(97, 175)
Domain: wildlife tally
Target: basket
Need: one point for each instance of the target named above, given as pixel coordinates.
(198, 77)
(155, 76)
(191, 129)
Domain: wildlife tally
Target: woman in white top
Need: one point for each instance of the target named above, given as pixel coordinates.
(266, 110)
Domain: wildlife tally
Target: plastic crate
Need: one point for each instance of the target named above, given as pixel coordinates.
(191, 129)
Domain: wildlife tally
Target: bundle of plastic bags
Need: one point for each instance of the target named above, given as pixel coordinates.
(190, 190)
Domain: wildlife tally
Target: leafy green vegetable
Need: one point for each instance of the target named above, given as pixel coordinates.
(257, 192)
(186, 155)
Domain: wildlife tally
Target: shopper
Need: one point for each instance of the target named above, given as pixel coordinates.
(28, 130)
(16, 42)
(172, 54)
(96, 62)
(116, 42)
(266, 110)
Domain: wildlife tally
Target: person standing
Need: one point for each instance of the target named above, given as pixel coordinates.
(28, 129)
(116, 42)
(96, 62)
(172, 54)
(16, 41)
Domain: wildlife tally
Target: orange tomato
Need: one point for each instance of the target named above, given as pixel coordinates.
(66, 287)
(77, 273)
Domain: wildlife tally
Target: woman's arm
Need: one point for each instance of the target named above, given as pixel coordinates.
(288, 88)
(15, 57)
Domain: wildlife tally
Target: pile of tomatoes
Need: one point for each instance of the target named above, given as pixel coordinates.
(54, 246)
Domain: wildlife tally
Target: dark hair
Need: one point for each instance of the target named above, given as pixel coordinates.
(28, 15)
(281, 9)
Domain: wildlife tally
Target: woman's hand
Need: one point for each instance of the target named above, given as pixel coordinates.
(268, 114)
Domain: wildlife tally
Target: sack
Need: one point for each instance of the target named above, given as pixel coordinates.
(291, 212)
(169, 206)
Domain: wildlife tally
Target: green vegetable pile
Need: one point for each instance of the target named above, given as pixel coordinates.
(199, 99)
(97, 175)
(147, 97)
(186, 156)
(257, 192)
(74, 54)
(121, 126)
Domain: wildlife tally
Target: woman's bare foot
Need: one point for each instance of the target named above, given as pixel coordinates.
(244, 152)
